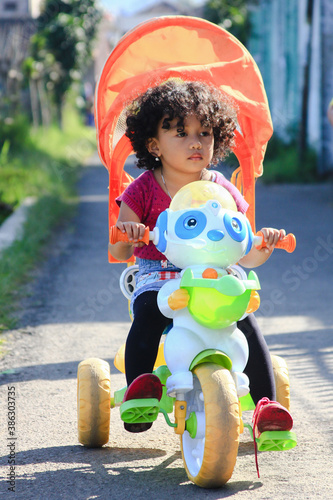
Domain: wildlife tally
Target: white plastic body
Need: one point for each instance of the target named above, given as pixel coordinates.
(187, 338)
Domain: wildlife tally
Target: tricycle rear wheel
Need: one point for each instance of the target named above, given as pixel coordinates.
(281, 377)
(93, 402)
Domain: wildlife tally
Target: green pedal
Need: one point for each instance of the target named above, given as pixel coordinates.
(139, 410)
(276, 441)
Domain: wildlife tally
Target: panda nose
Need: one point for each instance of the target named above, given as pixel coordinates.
(215, 235)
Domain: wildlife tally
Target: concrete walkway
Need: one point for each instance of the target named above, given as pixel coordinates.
(75, 310)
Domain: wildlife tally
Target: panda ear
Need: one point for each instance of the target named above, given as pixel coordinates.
(250, 242)
(162, 224)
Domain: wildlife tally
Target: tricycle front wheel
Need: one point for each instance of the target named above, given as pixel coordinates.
(93, 402)
(210, 457)
(281, 377)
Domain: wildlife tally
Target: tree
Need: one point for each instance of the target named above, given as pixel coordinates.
(231, 15)
(326, 156)
(302, 140)
(61, 48)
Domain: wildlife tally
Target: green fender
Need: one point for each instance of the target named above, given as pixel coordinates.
(212, 356)
(221, 359)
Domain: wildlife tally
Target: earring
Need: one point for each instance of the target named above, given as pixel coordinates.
(157, 158)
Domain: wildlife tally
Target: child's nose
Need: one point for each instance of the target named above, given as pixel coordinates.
(196, 143)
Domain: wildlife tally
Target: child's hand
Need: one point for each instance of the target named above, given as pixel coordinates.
(271, 237)
(134, 230)
(178, 299)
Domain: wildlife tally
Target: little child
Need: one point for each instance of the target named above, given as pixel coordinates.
(178, 130)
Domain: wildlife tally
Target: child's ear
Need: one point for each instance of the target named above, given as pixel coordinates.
(152, 146)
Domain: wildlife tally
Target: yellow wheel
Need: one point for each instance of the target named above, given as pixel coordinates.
(210, 457)
(281, 377)
(93, 402)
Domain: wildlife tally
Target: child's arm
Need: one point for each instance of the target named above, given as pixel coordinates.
(128, 222)
(257, 257)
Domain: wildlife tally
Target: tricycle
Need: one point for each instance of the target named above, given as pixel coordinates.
(200, 371)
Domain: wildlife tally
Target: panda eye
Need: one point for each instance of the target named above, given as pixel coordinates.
(236, 229)
(190, 223)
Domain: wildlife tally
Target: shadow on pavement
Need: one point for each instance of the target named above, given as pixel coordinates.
(110, 471)
(50, 371)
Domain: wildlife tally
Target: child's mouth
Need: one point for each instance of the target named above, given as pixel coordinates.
(196, 157)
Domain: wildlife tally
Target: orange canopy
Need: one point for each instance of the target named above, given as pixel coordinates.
(191, 49)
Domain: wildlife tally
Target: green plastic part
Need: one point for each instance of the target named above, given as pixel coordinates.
(226, 285)
(249, 427)
(191, 425)
(163, 372)
(217, 303)
(119, 396)
(167, 402)
(212, 356)
(139, 410)
(167, 419)
(247, 402)
(276, 441)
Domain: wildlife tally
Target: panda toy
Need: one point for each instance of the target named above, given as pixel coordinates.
(210, 297)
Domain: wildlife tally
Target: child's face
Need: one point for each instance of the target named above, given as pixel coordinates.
(187, 146)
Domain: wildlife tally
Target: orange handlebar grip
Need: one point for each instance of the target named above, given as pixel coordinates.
(117, 235)
(288, 243)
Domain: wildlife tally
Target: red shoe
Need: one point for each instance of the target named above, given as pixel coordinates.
(144, 386)
(271, 416)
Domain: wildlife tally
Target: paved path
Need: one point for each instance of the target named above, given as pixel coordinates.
(75, 311)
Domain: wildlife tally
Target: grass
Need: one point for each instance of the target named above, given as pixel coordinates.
(46, 167)
(282, 164)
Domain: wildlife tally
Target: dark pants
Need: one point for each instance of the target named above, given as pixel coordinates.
(145, 334)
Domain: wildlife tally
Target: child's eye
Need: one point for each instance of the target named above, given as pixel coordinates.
(181, 134)
(206, 133)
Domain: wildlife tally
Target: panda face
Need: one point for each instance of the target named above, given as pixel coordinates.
(209, 235)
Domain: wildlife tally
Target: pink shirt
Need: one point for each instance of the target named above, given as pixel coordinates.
(147, 200)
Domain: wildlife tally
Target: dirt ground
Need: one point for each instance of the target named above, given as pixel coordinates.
(75, 310)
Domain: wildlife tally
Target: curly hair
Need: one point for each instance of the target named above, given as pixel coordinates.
(177, 99)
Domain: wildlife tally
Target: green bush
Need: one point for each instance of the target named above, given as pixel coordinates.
(46, 167)
(15, 132)
(282, 164)
(47, 163)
